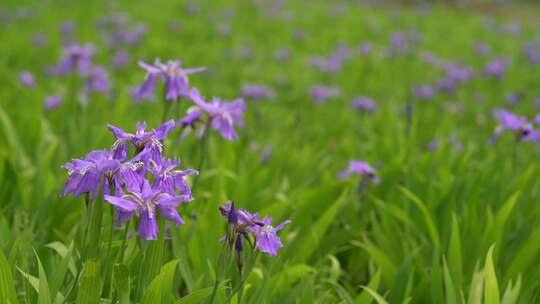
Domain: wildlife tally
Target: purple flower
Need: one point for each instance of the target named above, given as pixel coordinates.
(222, 116)
(266, 234)
(243, 222)
(142, 140)
(173, 75)
(76, 58)
(27, 79)
(170, 179)
(52, 102)
(496, 68)
(98, 169)
(447, 85)
(96, 80)
(147, 202)
(361, 168)
(283, 54)
(120, 59)
(424, 92)
(518, 125)
(481, 49)
(321, 93)
(365, 48)
(514, 98)
(257, 92)
(434, 145)
(364, 103)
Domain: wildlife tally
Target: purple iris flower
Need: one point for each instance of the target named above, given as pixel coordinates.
(169, 178)
(147, 202)
(424, 92)
(481, 49)
(518, 125)
(447, 85)
(27, 79)
(67, 28)
(257, 92)
(244, 222)
(173, 75)
(364, 103)
(98, 169)
(96, 80)
(76, 58)
(52, 102)
(266, 235)
(434, 145)
(361, 168)
(283, 54)
(532, 53)
(514, 98)
(150, 141)
(537, 120)
(496, 68)
(321, 93)
(222, 116)
(365, 48)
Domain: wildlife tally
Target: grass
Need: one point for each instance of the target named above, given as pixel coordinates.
(454, 225)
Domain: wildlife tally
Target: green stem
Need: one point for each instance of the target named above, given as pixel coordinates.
(214, 291)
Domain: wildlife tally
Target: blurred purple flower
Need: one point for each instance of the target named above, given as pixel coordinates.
(120, 59)
(364, 103)
(39, 39)
(320, 93)
(424, 92)
(257, 92)
(52, 102)
(222, 116)
(496, 68)
(481, 48)
(172, 74)
(361, 168)
(518, 125)
(77, 58)
(96, 80)
(27, 79)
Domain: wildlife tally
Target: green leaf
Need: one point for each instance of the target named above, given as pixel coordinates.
(491, 289)
(90, 283)
(455, 263)
(7, 286)
(476, 288)
(365, 297)
(511, 294)
(450, 291)
(44, 296)
(160, 289)
(199, 296)
(313, 234)
(122, 283)
(378, 298)
(428, 217)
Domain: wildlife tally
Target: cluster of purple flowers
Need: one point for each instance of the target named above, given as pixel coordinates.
(321, 93)
(258, 92)
(332, 63)
(245, 223)
(145, 185)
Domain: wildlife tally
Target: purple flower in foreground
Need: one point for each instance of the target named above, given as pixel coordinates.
(364, 103)
(321, 93)
(97, 169)
(243, 222)
(52, 102)
(222, 116)
(257, 92)
(170, 179)
(27, 79)
(496, 68)
(361, 168)
(76, 58)
(424, 92)
(173, 75)
(518, 125)
(266, 234)
(150, 141)
(147, 202)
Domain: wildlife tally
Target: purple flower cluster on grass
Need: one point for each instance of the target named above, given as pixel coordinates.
(519, 125)
(360, 168)
(258, 92)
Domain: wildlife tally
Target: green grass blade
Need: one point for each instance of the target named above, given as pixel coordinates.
(7, 285)
(491, 289)
(90, 283)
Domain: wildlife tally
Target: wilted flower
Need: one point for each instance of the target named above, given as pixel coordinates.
(173, 75)
(222, 116)
(257, 92)
(364, 103)
(147, 202)
(27, 79)
(321, 93)
(361, 168)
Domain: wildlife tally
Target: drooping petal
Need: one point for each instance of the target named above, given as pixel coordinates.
(120, 202)
(171, 214)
